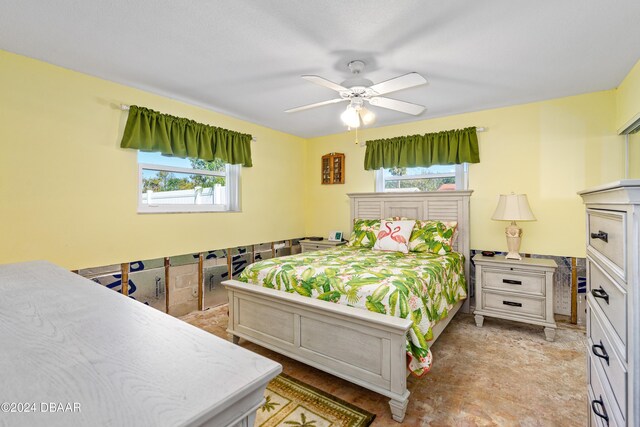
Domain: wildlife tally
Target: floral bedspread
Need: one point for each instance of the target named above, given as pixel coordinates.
(419, 286)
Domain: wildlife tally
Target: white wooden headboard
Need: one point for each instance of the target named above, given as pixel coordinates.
(436, 205)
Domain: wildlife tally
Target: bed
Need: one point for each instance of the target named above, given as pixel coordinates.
(364, 347)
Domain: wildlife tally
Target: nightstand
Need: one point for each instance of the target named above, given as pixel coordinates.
(520, 290)
(318, 245)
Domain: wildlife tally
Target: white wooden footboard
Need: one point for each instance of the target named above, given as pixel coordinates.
(365, 348)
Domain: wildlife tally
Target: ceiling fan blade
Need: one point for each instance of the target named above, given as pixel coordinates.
(317, 104)
(399, 83)
(394, 104)
(324, 82)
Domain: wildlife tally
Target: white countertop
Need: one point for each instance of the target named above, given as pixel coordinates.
(68, 340)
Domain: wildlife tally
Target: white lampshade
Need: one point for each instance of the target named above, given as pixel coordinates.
(357, 115)
(513, 207)
(350, 117)
(367, 116)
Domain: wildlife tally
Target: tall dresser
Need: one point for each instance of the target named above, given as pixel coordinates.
(613, 303)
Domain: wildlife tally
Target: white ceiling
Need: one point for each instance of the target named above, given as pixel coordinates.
(245, 57)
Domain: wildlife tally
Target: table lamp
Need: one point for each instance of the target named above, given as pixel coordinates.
(513, 207)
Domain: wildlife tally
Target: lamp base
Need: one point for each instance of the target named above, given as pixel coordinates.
(513, 255)
(514, 237)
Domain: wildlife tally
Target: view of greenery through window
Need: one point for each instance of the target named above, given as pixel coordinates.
(158, 181)
(421, 184)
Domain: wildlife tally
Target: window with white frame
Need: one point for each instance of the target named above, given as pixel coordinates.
(171, 184)
(433, 178)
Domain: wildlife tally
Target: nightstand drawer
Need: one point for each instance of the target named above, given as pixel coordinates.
(319, 245)
(603, 354)
(606, 235)
(516, 281)
(310, 247)
(514, 304)
(610, 297)
(520, 290)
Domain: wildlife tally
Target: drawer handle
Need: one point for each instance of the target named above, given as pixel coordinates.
(600, 293)
(601, 235)
(512, 304)
(512, 282)
(600, 403)
(602, 353)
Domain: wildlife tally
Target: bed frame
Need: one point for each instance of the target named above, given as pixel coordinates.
(360, 346)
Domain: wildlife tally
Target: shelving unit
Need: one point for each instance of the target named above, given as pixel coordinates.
(333, 168)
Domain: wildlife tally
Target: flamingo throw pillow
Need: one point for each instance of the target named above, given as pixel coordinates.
(394, 236)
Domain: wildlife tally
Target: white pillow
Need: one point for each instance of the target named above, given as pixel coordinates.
(394, 236)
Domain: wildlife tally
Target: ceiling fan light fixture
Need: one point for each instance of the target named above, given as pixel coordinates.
(358, 90)
(350, 117)
(367, 116)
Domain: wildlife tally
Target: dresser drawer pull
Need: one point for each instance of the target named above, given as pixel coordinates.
(603, 414)
(602, 353)
(601, 235)
(600, 293)
(512, 304)
(512, 282)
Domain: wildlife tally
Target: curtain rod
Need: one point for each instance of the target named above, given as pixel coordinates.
(478, 129)
(125, 107)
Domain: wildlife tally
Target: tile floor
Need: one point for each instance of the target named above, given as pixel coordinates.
(503, 374)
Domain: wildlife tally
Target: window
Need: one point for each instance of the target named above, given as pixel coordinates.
(433, 178)
(172, 184)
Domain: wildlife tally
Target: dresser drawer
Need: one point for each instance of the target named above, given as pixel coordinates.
(603, 354)
(514, 304)
(610, 297)
(606, 235)
(595, 420)
(513, 280)
(601, 408)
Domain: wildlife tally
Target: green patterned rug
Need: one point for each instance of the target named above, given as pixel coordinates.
(292, 403)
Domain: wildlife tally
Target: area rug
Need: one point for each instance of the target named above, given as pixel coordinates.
(292, 403)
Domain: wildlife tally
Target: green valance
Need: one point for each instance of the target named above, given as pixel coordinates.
(441, 148)
(149, 130)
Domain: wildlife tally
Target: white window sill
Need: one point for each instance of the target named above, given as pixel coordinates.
(183, 209)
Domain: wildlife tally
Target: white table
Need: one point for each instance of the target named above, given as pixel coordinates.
(107, 360)
(519, 290)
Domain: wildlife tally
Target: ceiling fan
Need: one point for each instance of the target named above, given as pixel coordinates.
(358, 90)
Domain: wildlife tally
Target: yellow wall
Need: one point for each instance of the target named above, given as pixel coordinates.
(628, 97)
(628, 108)
(634, 156)
(69, 193)
(548, 150)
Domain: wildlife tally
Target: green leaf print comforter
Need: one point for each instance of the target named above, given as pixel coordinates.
(421, 286)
